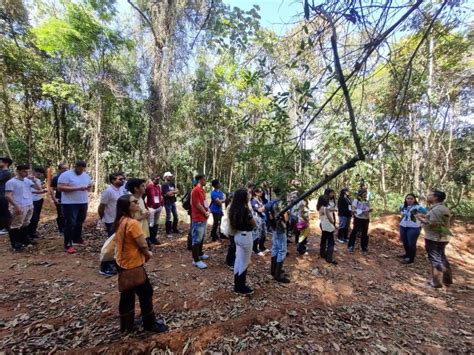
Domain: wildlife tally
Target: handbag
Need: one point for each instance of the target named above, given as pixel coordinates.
(302, 225)
(107, 253)
(130, 278)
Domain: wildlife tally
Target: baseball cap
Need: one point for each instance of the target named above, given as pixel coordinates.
(167, 174)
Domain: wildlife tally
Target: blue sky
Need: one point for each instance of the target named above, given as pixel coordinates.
(275, 13)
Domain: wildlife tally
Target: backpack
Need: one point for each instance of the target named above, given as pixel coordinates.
(186, 200)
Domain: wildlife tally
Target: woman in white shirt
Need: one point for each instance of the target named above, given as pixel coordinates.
(410, 227)
(361, 212)
(326, 218)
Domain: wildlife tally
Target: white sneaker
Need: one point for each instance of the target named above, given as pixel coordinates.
(200, 264)
(3, 231)
(204, 257)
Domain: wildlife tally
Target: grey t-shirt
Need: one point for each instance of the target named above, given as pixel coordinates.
(5, 175)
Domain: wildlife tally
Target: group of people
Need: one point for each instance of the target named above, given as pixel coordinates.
(130, 210)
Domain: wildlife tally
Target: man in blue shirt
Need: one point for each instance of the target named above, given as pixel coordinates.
(217, 199)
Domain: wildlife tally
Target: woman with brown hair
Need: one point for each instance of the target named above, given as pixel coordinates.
(131, 255)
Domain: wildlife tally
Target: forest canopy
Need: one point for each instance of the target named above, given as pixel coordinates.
(380, 88)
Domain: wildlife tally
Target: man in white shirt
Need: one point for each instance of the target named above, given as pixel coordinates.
(38, 173)
(74, 186)
(20, 199)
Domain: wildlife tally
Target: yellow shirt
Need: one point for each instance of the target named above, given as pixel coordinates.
(129, 255)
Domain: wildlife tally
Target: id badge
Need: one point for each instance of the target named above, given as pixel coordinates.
(157, 199)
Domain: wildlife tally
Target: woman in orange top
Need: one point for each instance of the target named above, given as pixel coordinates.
(131, 252)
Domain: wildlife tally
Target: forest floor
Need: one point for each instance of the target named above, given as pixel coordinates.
(55, 302)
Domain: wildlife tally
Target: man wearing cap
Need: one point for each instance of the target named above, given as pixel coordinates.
(5, 175)
(169, 192)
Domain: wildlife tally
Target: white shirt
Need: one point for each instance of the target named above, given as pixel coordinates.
(21, 191)
(70, 178)
(361, 209)
(36, 197)
(109, 198)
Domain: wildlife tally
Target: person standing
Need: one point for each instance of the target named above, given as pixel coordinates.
(137, 188)
(74, 186)
(303, 227)
(361, 212)
(133, 253)
(56, 197)
(108, 202)
(217, 199)
(436, 224)
(154, 202)
(170, 191)
(242, 223)
(38, 173)
(260, 232)
(410, 227)
(279, 237)
(20, 199)
(326, 218)
(344, 204)
(5, 175)
(199, 216)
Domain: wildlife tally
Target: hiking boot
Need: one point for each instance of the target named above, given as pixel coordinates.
(200, 264)
(279, 275)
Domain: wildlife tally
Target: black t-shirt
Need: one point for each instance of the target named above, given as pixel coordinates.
(167, 187)
(54, 185)
(245, 226)
(5, 175)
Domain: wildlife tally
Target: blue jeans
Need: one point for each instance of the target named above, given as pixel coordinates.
(344, 223)
(279, 241)
(171, 209)
(199, 231)
(74, 215)
(409, 236)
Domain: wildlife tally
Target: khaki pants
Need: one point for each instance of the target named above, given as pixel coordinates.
(22, 219)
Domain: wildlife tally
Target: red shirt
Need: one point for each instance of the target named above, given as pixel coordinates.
(154, 198)
(198, 195)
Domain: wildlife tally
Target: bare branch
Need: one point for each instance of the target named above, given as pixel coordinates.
(149, 23)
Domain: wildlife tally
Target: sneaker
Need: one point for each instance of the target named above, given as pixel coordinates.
(204, 257)
(199, 264)
(3, 231)
(107, 272)
(342, 241)
(79, 244)
(333, 262)
(245, 291)
(158, 327)
(71, 250)
(350, 249)
(406, 261)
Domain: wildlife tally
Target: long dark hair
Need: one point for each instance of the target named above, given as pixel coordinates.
(322, 201)
(405, 200)
(343, 192)
(123, 209)
(239, 208)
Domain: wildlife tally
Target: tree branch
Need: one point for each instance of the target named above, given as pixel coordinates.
(148, 21)
(203, 24)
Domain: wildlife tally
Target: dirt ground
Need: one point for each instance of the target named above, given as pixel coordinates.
(54, 302)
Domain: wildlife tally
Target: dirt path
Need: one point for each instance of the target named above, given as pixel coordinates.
(51, 301)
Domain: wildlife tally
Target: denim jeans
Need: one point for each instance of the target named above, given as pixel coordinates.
(344, 223)
(409, 237)
(75, 215)
(171, 209)
(279, 245)
(199, 231)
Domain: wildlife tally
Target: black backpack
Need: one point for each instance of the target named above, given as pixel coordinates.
(186, 200)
